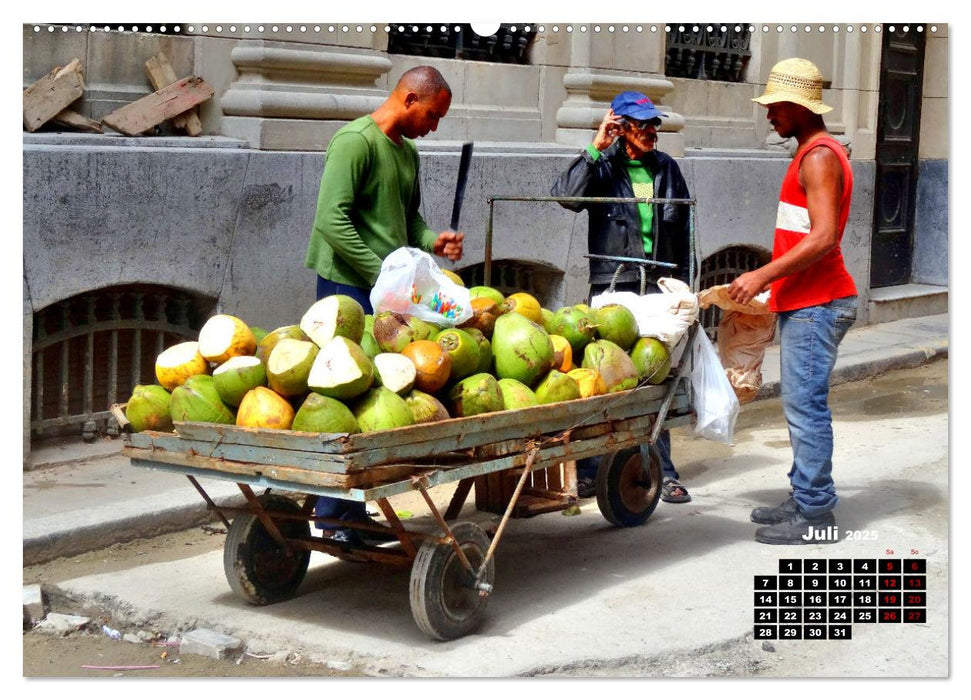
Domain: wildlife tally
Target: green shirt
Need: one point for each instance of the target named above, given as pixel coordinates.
(367, 206)
(642, 182)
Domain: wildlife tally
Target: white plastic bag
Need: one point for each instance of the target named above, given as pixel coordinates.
(665, 316)
(411, 283)
(714, 399)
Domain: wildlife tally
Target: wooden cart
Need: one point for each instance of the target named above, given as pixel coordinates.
(520, 463)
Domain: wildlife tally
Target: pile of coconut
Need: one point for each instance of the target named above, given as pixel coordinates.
(343, 371)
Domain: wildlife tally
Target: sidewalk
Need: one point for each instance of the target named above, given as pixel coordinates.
(83, 497)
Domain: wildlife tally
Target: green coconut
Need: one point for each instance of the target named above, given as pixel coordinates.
(617, 324)
(259, 333)
(369, 345)
(614, 365)
(485, 350)
(574, 324)
(342, 370)
(382, 409)
(425, 408)
(269, 341)
(547, 319)
(197, 401)
(394, 333)
(288, 366)
(521, 349)
(322, 414)
(652, 360)
(236, 376)
(463, 348)
(149, 408)
(335, 316)
(475, 395)
(557, 386)
(488, 292)
(395, 371)
(516, 395)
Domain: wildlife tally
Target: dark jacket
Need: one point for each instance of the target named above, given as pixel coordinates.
(615, 228)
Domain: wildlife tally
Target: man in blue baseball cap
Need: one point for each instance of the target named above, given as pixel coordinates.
(622, 161)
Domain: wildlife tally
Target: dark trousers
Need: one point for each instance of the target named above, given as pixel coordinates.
(327, 506)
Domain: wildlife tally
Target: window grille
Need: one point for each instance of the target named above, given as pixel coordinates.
(510, 44)
(90, 351)
(708, 51)
(510, 276)
(722, 268)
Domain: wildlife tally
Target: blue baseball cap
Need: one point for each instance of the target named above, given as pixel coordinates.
(635, 105)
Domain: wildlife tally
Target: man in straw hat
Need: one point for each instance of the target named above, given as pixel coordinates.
(811, 292)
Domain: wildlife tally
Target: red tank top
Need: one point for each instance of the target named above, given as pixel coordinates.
(827, 278)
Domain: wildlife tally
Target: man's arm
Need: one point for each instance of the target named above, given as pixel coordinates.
(581, 174)
(821, 175)
(345, 170)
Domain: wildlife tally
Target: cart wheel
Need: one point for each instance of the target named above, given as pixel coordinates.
(258, 567)
(444, 602)
(627, 493)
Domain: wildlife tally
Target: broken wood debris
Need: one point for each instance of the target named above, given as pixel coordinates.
(52, 94)
(164, 104)
(160, 75)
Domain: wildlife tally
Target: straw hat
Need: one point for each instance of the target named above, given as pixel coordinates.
(795, 80)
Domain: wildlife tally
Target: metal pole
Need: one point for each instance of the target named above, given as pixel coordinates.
(487, 263)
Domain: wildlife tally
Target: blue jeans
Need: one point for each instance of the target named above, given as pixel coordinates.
(327, 506)
(808, 340)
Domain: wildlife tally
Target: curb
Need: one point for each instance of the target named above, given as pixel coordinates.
(53, 545)
(908, 359)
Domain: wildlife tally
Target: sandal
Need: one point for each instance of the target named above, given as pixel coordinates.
(672, 491)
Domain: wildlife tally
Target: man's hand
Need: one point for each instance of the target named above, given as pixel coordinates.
(608, 132)
(449, 245)
(747, 286)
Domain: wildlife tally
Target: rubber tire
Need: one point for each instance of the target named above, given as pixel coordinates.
(442, 602)
(257, 567)
(627, 494)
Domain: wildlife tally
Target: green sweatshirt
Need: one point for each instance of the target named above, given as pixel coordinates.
(368, 205)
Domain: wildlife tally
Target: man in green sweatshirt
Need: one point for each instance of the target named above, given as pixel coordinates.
(369, 206)
(369, 193)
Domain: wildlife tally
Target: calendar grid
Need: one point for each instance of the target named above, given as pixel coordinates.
(817, 599)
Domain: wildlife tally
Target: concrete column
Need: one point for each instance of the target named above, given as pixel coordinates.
(288, 96)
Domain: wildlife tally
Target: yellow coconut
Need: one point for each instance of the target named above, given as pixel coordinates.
(224, 336)
(264, 408)
(562, 353)
(454, 277)
(179, 362)
(589, 381)
(525, 304)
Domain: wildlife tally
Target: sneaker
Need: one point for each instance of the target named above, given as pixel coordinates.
(586, 487)
(799, 529)
(771, 515)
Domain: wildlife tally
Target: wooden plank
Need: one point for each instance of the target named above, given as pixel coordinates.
(450, 435)
(327, 443)
(52, 94)
(160, 75)
(151, 110)
(78, 122)
(229, 469)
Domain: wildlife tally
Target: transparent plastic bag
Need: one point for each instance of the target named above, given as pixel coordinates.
(715, 402)
(412, 283)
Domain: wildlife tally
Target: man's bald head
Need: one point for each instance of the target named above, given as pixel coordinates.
(424, 81)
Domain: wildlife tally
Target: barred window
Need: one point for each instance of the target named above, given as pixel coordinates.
(712, 51)
(510, 44)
